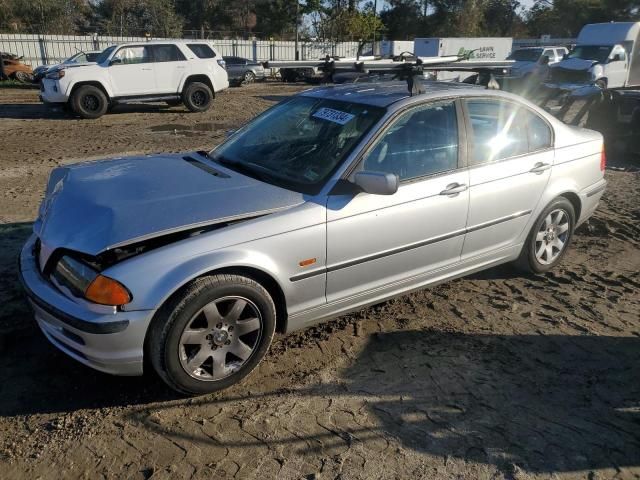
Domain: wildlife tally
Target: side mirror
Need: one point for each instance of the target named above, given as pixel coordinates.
(616, 58)
(115, 61)
(377, 183)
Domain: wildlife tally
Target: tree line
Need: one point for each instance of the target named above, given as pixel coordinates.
(333, 20)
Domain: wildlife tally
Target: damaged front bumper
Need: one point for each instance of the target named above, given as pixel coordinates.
(109, 342)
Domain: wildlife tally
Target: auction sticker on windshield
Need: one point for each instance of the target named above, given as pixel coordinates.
(335, 116)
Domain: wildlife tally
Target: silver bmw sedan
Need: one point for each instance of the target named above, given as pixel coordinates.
(335, 199)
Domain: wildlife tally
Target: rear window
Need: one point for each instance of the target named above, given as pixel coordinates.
(201, 50)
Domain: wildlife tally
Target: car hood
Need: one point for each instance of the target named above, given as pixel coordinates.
(575, 64)
(96, 206)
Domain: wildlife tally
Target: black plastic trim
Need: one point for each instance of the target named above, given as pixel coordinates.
(376, 256)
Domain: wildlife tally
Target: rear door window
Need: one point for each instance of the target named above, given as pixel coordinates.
(167, 53)
(497, 131)
(201, 50)
(501, 130)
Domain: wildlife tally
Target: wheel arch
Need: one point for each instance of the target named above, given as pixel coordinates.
(575, 202)
(93, 83)
(264, 278)
(199, 78)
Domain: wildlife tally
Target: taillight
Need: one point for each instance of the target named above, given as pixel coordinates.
(603, 159)
(223, 64)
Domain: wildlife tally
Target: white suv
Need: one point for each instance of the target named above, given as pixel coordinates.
(176, 71)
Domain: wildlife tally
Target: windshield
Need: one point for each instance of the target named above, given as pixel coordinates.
(105, 54)
(299, 143)
(527, 55)
(591, 52)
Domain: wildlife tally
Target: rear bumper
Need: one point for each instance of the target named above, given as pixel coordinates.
(109, 342)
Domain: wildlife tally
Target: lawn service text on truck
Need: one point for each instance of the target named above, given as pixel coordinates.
(477, 49)
(606, 54)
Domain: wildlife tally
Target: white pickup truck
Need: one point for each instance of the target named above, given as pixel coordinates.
(176, 71)
(606, 54)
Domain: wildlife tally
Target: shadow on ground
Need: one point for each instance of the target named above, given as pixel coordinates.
(22, 111)
(548, 403)
(544, 403)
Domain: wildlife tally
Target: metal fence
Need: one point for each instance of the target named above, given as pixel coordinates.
(51, 49)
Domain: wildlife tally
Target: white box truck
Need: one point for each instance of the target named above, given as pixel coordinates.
(393, 48)
(482, 48)
(606, 54)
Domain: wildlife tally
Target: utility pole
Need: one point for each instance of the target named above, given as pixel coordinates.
(297, 28)
(375, 15)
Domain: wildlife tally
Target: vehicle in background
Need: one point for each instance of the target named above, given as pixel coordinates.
(477, 49)
(13, 68)
(241, 70)
(606, 54)
(80, 57)
(314, 74)
(330, 201)
(173, 71)
(528, 58)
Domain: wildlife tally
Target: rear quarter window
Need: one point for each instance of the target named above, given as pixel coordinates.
(201, 50)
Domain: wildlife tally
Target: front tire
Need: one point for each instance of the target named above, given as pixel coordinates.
(549, 237)
(213, 334)
(89, 102)
(197, 97)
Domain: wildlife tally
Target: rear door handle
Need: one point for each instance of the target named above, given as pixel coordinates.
(540, 167)
(146, 69)
(454, 189)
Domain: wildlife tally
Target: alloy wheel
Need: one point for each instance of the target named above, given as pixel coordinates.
(552, 236)
(219, 339)
(91, 103)
(199, 98)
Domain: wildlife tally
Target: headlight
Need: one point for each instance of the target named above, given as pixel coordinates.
(596, 72)
(55, 75)
(84, 281)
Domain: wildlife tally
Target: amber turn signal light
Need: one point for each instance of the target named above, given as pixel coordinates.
(107, 291)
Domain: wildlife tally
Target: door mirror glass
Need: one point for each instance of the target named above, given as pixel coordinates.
(376, 183)
(616, 58)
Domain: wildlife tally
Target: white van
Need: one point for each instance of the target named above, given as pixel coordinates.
(606, 54)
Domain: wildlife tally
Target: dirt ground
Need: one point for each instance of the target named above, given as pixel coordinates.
(499, 375)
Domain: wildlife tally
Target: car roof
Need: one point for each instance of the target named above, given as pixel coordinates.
(383, 94)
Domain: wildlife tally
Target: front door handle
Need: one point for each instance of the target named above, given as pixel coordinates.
(454, 189)
(146, 69)
(540, 167)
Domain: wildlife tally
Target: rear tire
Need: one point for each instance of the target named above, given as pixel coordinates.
(197, 97)
(213, 334)
(549, 237)
(89, 102)
(248, 77)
